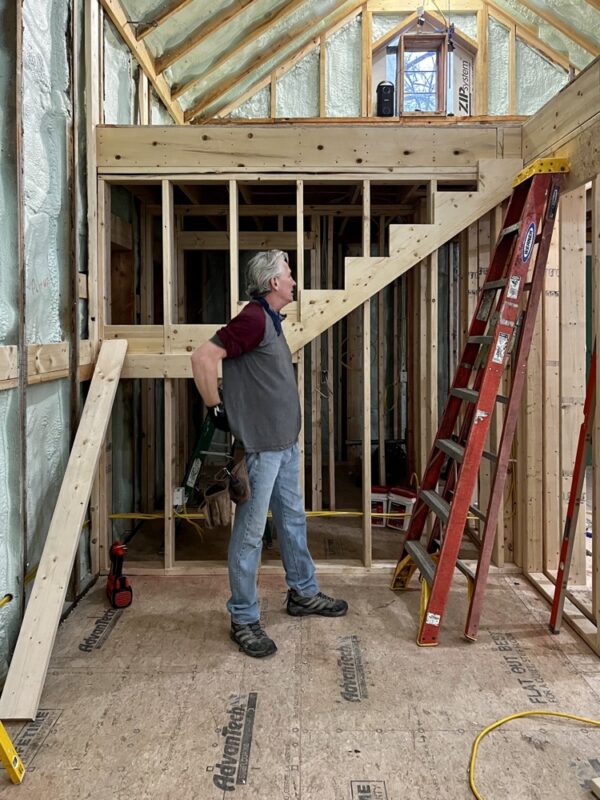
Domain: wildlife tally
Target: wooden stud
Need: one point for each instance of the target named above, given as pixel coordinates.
(366, 387)
(512, 69)
(147, 386)
(552, 484)
(25, 679)
(234, 249)
(481, 74)
(300, 240)
(169, 316)
(322, 74)
(595, 232)
(316, 382)
(381, 386)
(273, 106)
(366, 102)
(572, 356)
(299, 293)
(330, 376)
(144, 99)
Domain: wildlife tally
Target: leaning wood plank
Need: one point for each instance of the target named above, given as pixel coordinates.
(25, 680)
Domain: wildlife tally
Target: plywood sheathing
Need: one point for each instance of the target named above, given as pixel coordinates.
(143, 712)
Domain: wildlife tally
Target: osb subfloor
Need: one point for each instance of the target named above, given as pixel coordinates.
(136, 702)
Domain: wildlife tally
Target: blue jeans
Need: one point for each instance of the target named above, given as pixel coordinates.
(275, 484)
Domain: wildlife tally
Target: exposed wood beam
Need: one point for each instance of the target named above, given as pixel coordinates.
(546, 14)
(199, 34)
(125, 28)
(253, 35)
(162, 16)
(293, 41)
(285, 67)
(594, 3)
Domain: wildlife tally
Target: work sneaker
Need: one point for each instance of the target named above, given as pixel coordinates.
(320, 604)
(252, 639)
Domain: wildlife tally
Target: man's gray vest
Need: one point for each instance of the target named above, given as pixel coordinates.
(261, 396)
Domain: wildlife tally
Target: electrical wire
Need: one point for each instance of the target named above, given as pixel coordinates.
(502, 721)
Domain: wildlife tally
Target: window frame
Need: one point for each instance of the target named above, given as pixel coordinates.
(415, 43)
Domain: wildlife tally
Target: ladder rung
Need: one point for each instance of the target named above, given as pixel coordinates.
(451, 448)
(490, 456)
(422, 559)
(470, 395)
(510, 229)
(477, 512)
(466, 570)
(502, 398)
(493, 285)
(437, 504)
(480, 339)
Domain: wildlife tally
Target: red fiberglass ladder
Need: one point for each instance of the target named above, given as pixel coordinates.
(499, 329)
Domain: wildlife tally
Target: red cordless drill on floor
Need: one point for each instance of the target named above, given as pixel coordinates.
(118, 590)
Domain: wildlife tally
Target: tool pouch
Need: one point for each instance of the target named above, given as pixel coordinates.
(217, 505)
(239, 483)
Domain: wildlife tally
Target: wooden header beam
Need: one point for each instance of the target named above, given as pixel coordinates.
(29, 665)
(261, 148)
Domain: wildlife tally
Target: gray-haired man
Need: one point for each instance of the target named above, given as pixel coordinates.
(262, 409)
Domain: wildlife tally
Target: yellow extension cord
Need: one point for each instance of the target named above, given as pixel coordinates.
(521, 714)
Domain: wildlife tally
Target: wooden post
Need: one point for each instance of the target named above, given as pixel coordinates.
(366, 63)
(299, 290)
(315, 377)
(147, 386)
(572, 356)
(330, 376)
(481, 72)
(366, 404)
(551, 408)
(169, 314)
(234, 269)
(322, 75)
(595, 208)
(381, 387)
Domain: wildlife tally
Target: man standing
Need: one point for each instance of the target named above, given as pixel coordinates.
(262, 409)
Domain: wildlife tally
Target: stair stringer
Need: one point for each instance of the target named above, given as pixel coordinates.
(319, 309)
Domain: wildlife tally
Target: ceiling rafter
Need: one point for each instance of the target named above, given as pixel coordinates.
(253, 34)
(594, 3)
(161, 17)
(297, 39)
(529, 34)
(214, 24)
(556, 22)
(125, 28)
(285, 66)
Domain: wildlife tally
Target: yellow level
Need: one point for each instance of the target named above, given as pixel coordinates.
(10, 757)
(542, 165)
